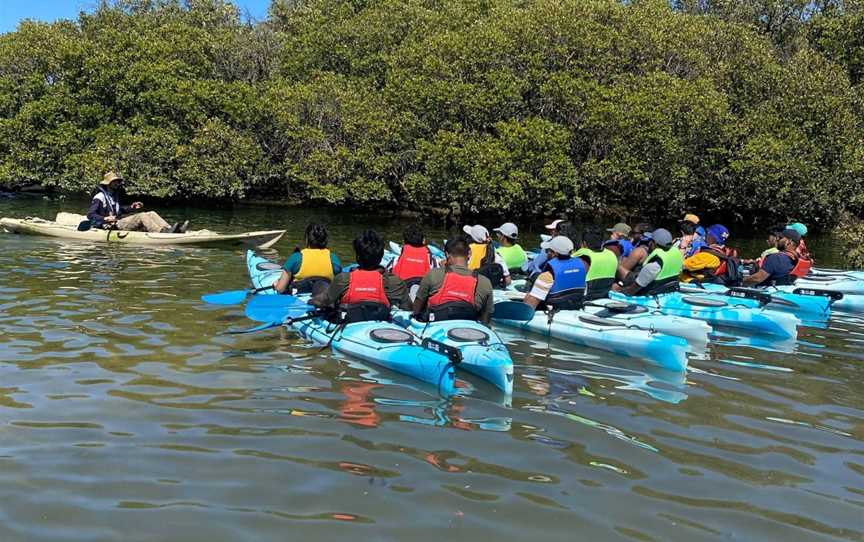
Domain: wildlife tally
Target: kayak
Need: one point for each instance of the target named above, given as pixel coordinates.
(382, 343)
(38, 226)
(633, 316)
(738, 313)
(806, 307)
(843, 284)
(666, 351)
(483, 353)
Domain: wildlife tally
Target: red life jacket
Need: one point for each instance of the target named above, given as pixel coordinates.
(455, 289)
(802, 265)
(365, 287)
(724, 253)
(413, 263)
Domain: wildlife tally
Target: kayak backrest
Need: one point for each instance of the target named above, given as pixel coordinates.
(597, 321)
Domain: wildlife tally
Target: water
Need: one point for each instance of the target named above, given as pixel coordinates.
(127, 415)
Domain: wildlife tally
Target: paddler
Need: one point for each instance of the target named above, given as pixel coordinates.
(484, 259)
(106, 212)
(508, 248)
(600, 263)
(311, 269)
(561, 285)
(534, 267)
(660, 269)
(367, 292)
(802, 250)
(692, 235)
(454, 292)
(716, 262)
(415, 260)
(640, 236)
(619, 240)
(784, 266)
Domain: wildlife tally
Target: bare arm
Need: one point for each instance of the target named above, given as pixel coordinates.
(756, 278)
(283, 282)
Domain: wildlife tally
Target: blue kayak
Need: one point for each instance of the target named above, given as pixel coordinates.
(806, 307)
(382, 343)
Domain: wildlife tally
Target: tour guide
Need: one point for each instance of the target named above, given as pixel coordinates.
(454, 292)
(106, 212)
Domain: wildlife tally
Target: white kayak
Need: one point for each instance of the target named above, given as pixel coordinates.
(38, 226)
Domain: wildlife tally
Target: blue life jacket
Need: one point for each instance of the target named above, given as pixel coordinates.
(568, 286)
(624, 246)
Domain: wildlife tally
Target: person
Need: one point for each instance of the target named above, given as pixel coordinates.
(660, 269)
(715, 262)
(619, 240)
(415, 260)
(484, 259)
(309, 270)
(601, 264)
(454, 292)
(561, 285)
(803, 252)
(640, 237)
(774, 234)
(534, 267)
(106, 212)
(368, 291)
(692, 235)
(782, 267)
(509, 250)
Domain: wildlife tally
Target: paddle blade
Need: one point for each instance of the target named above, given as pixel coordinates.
(275, 308)
(231, 297)
(513, 310)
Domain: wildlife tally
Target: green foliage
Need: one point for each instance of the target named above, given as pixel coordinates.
(752, 110)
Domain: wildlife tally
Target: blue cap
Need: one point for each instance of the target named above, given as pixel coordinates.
(799, 227)
(719, 232)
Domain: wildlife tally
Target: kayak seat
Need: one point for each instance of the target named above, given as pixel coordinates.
(703, 302)
(467, 335)
(619, 307)
(597, 321)
(268, 266)
(390, 335)
(820, 278)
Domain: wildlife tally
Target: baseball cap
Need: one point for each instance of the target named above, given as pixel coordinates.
(558, 244)
(718, 232)
(792, 235)
(621, 228)
(662, 237)
(690, 217)
(508, 229)
(477, 232)
(554, 224)
(799, 227)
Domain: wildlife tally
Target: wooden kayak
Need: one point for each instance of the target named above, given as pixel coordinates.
(38, 226)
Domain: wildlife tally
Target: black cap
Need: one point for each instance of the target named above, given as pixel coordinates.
(792, 235)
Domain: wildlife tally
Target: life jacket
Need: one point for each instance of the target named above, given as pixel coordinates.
(568, 286)
(621, 247)
(478, 253)
(483, 261)
(365, 299)
(603, 266)
(412, 264)
(513, 257)
(454, 300)
(728, 272)
(316, 263)
(671, 264)
(803, 252)
(801, 268)
(111, 203)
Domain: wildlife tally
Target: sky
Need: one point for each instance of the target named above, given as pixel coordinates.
(13, 11)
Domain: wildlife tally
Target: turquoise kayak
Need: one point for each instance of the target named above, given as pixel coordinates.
(806, 307)
(382, 343)
(844, 284)
(729, 312)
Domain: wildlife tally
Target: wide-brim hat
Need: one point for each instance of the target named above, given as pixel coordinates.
(110, 177)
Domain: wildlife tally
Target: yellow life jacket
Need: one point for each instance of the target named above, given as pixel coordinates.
(478, 252)
(315, 263)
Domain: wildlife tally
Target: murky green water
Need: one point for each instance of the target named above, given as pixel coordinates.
(125, 415)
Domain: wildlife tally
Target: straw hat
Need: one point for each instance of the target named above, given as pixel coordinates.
(111, 176)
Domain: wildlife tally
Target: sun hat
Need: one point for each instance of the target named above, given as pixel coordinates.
(508, 229)
(559, 244)
(111, 176)
(799, 227)
(554, 224)
(621, 228)
(718, 232)
(477, 232)
(662, 237)
(690, 217)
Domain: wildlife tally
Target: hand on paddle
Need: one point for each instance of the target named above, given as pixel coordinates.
(137, 205)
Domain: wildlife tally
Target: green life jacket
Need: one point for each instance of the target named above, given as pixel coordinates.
(671, 264)
(601, 273)
(513, 256)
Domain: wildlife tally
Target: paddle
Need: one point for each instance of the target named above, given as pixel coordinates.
(513, 310)
(232, 297)
(275, 308)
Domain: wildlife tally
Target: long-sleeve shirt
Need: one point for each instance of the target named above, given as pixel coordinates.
(103, 205)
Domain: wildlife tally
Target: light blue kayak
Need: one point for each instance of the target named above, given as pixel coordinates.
(806, 307)
(382, 343)
(730, 312)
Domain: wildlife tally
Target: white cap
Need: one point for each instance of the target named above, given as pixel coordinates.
(559, 244)
(544, 237)
(508, 229)
(477, 232)
(554, 224)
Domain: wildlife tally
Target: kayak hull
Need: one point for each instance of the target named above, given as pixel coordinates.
(807, 307)
(261, 239)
